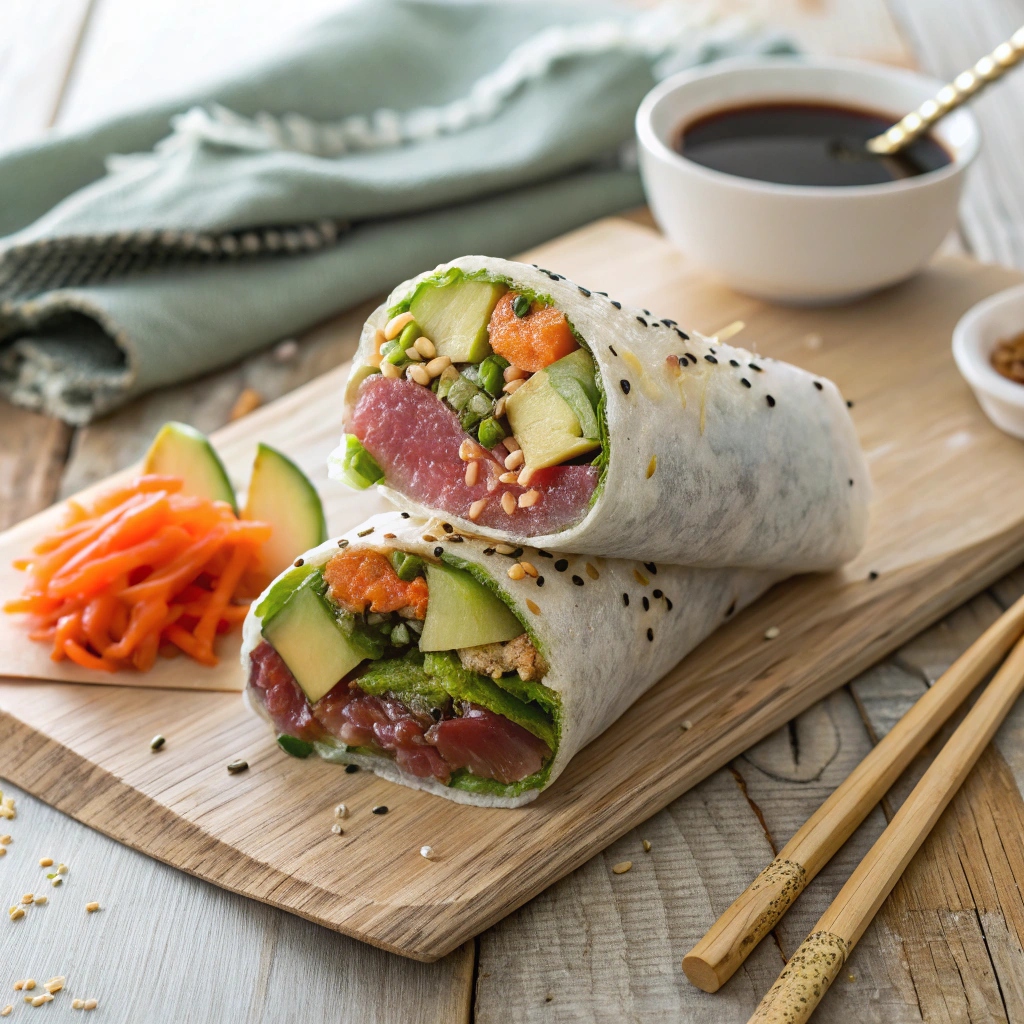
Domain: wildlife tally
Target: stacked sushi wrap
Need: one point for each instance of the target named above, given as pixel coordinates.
(639, 438)
(466, 669)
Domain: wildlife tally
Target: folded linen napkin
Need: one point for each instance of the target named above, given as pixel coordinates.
(397, 134)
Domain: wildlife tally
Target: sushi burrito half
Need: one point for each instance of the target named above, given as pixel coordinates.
(529, 409)
(467, 669)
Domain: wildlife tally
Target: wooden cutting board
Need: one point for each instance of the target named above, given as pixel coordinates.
(948, 519)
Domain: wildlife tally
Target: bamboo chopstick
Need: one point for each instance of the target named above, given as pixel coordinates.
(758, 908)
(820, 957)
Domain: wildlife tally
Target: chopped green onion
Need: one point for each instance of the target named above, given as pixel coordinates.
(400, 635)
(408, 567)
(490, 432)
(521, 306)
(294, 746)
(491, 372)
(403, 342)
(359, 469)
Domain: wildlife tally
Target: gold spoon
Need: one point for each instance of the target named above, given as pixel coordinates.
(951, 96)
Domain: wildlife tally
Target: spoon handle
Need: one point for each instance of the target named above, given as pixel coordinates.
(951, 96)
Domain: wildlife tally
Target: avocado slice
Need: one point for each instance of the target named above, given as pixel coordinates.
(455, 317)
(463, 613)
(181, 450)
(281, 494)
(307, 635)
(544, 424)
(573, 377)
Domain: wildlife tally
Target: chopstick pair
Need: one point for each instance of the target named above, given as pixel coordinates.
(818, 960)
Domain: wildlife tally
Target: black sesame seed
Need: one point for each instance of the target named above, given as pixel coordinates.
(624, 384)
(668, 323)
(456, 538)
(850, 482)
(651, 568)
(404, 515)
(642, 320)
(517, 553)
(298, 562)
(668, 604)
(488, 551)
(872, 575)
(711, 359)
(562, 564)
(342, 543)
(447, 527)
(745, 382)
(380, 809)
(617, 305)
(682, 360)
(625, 600)
(611, 348)
(754, 366)
(658, 593)
(692, 358)
(540, 581)
(647, 311)
(818, 384)
(605, 294)
(438, 551)
(577, 581)
(682, 334)
(646, 603)
(584, 291)
(770, 401)
(544, 554)
(650, 633)
(351, 769)
(732, 362)
(712, 351)
(849, 404)
(730, 609)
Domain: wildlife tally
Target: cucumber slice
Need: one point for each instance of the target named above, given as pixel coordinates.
(181, 450)
(455, 317)
(311, 641)
(545, 425)
(281, 494)
(572, 377)
(462, 612)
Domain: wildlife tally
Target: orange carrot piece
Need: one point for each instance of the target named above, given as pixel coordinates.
(145, 617)
(187, 642)
(67, 629)
(144, 657)
(80, 656)
(96, 620)
(140, 485)
(206, 628)
(533, 341)
(182, 570)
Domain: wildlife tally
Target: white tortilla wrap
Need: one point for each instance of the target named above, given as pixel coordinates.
(600, 658)
(728, 459)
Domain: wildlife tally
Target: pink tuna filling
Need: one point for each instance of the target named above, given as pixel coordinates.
(488, 745)
(415, 438)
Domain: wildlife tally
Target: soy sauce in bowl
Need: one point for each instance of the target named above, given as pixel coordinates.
(803, 144)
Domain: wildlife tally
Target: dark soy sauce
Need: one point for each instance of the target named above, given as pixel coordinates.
(803, 144)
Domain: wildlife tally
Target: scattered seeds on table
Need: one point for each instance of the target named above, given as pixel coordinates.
(647, 845)
(772, 632)
(77, 1004)
(27, 898)
(157, 742)
(341, 811)
(622, 867)
(43, 997)
(90, 1004)
(16, 914)
(40, 900)
(427, 852)
(238, 766)
(91, 908)
(686, 724)
(337, 830)
(380, 809)
(62, 869)
(55, 984)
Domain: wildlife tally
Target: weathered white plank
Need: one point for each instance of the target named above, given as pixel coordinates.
(166, 947)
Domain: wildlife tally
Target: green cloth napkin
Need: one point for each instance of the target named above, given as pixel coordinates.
(396, 135)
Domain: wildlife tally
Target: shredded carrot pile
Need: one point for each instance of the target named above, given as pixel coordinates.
(145, 571)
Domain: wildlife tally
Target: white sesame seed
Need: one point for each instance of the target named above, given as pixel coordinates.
(91, 908)
(499, 407)
(4, 840)
(390, 370)
(467, 451)
(427, 852)
(418, 374)
(54, 984)
(90, 1004)
(513, 386)
(528, 499)
(45, 862)
(772, 632)
(438, 365)
(511, 373)
(426, 348)
(525, 476)
(57, 881)
(27, 898)
(511, 444)
(686, 724)
(514, 460)
(41, 899)
(77, 1004)
(43, 997)
(647, 845)
(504, 549)
(341, 811)
(411, 353)
(397, 324)
(29, 984)
(285, 351)
(379, 339)
(19, 985)
(472, 472)
(530, 569)
(508, 503)
(476, 510)
(16, 914)
(62, 869)
(337, 830)
(622, 867)
(6, 1011)
(3, 851)
(509, 478)
(516, 572)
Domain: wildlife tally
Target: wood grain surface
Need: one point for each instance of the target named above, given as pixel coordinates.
(267, 833)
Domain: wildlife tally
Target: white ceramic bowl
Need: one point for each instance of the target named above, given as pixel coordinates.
(974, 337)
(789, 243)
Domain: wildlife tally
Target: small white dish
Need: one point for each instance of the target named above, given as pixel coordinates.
(974, 337)
(789, 243)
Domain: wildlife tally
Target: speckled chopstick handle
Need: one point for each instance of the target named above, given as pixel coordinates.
(752, 915)
(805, 980)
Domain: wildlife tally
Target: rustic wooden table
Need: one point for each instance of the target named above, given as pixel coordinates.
(947, 945)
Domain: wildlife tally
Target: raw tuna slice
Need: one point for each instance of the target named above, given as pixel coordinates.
(415, 439)
(489, 745)
(275, 687)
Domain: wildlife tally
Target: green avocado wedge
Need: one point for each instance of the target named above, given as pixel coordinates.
(181, 450)
(283, 496)
(462, 612)
(455, 317)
